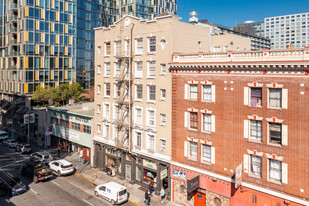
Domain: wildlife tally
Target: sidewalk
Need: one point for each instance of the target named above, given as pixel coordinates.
(137, 193)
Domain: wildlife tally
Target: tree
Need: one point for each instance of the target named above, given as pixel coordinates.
(42, 95)
(76, 90)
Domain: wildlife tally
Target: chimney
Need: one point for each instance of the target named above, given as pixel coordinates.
(193, 17)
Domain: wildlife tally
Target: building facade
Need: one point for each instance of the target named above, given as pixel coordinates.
(132, 120)
(288, 30)
(244, 112)
(251, 27)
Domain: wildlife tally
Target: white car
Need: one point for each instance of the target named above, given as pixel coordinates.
(113, 192)
(11, 143)
(62, 167)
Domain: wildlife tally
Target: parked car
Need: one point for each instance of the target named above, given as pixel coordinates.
(3, 135)
(62, 167)
(44, 157)
(37, 171)
(11, 143)
(23, 148)
(11, 185)
(22, 138)
(113, 192)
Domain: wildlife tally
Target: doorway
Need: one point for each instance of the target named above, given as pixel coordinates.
(199, 199)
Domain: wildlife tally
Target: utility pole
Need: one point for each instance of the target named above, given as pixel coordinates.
(28, 127)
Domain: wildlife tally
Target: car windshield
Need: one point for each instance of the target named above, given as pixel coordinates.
(27, 146)
(122, 192)
(13, 141)
(67, 166)
(2, 135)
(46, 157)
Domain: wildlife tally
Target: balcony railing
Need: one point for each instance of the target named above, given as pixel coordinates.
(13, 18)
(13, 41)
(14, 6)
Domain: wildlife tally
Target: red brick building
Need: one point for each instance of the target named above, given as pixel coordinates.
(248, 108)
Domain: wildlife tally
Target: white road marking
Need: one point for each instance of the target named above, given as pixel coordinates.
(33, 191)
(87, 202)
(13, 158)
(8, 201)
(10, 174)
(56, 183)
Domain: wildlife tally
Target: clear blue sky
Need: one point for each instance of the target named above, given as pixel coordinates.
(230, 12)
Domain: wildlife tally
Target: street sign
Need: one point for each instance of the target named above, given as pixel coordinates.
(238, 176)
(193, 183)
(26, 118)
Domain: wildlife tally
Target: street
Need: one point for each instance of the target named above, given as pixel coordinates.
(68, 190)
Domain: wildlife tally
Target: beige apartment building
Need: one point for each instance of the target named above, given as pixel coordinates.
(133, 105)
(230, 42)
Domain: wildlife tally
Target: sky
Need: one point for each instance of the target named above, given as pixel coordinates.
(231, 12)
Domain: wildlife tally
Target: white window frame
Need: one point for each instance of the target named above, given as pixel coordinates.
(151, 45)
(117, 69)
(136, 118)
(190, 153)
(117, 48)
(138, 72)
(98, 89)
(98, 108)
(115, 106)
(162, 94)
(269, 100)
(105, 89)
(99, 69)
(278, 170)
(138, 50)
(148, 93)
(162, 146)
(203, 147)
(209, 99)
(106, 129)
(106, 110)
(105, 48)
(148, 142)
(209, 123)
(251, 166)
(163, 69)
(148, 117)
(268, 131)
(98, 128)
(136, 96)
(191, 92)
(162, 119)
(261, 130)
(116, 90)
(107, 69)
(136, 140)
(151, 69)
(189, 122)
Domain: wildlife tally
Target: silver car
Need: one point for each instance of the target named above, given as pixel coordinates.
(44, 157)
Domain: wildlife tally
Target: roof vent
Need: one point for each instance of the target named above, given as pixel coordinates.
(193, 17)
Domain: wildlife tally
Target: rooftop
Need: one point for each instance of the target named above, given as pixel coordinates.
(83, 109)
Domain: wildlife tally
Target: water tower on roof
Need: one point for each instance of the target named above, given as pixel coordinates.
(193, 17)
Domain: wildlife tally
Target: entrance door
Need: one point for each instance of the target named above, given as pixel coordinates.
(128, 172)
(199, 199)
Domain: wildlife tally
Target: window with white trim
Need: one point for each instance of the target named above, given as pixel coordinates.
(163, 118)
(275, 97)
(275, 133)
(256, 165)
(138, 115)
(98, 128)
(117, 69)
(151, 92)
(116, 111)
(107, 48)
(99, 69)
(193, 91)
(256, 97)
(256, 130)
(151, 44)
(193, 150)
(151, 117)
(127, 47)
(117, 90)
(106, 131)
(116, 132)
(275, 170)
(206, 122)
(150, 142)
(138, 139)
(193, 120)
(98, 108)
(138, 69)
(162, 144)
(151, 69)
(206, 153)
(139, 91)
(107, 68)
(163, 69)
(106, 110)
(207, 93)
(107, 91)
(99, 89)
(163, 94)
(139, 46)
(117, 48)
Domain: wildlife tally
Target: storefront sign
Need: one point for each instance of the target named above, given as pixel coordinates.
(163, 174)
(238, 175)
(49, 130)
(71, 135)
(179, 174)
(193, 183)
(150, 164)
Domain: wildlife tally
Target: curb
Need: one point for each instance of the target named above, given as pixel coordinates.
(81, 176)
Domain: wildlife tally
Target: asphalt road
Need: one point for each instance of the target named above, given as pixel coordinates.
(66, 191)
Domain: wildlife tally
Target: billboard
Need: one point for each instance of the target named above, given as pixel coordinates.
(193, 183)
(238, 176)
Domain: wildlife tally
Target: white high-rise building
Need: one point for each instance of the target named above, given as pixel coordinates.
(288, 30)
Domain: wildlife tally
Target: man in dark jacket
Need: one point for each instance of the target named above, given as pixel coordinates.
(150, 188)
(147, 198)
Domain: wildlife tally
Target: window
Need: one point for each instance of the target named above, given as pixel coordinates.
(162, 144)
(98, 108)
(152, 93)
(256, 97)
(75, 126)
(206, 122)
(275, 170)
(116, 111)
(256, 130)
(117, 48)
(106, 110)
(107, 89)
(139, 69)
(256, 165)
(151, 144)
(206, 155)
(163, 94)
(106, 130)
(117, 90)
(99, 89)
(163, 68)
(139, 91)
(127, 47)
(107, 48)
(139, 46)
(151, 118)
(99, 69)
(193, 120)
(117, 69)
(206, 92)
(275, 97)
(217, 49)
(152, 44)
(138, 136)
(98, 128)
(163, 118)
(193, 91)
(193, 150)
(107, 72)
(138, 115)
(151, 69)
(87, 129)
(275, 133)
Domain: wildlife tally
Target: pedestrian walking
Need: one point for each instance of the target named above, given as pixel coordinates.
(58, 152)
(150, 188)
(147, 198)
(162, 194)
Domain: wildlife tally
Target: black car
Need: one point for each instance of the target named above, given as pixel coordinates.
(11, 185)
(23, 148)
(37, 171)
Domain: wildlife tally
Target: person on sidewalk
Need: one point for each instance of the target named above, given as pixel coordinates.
(58, 152)
(162, 194)
(147, 198)
(150, 188)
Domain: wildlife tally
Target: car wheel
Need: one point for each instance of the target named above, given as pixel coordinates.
(113, 202)
(96, 193)
(35, 179)
(23, 173)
